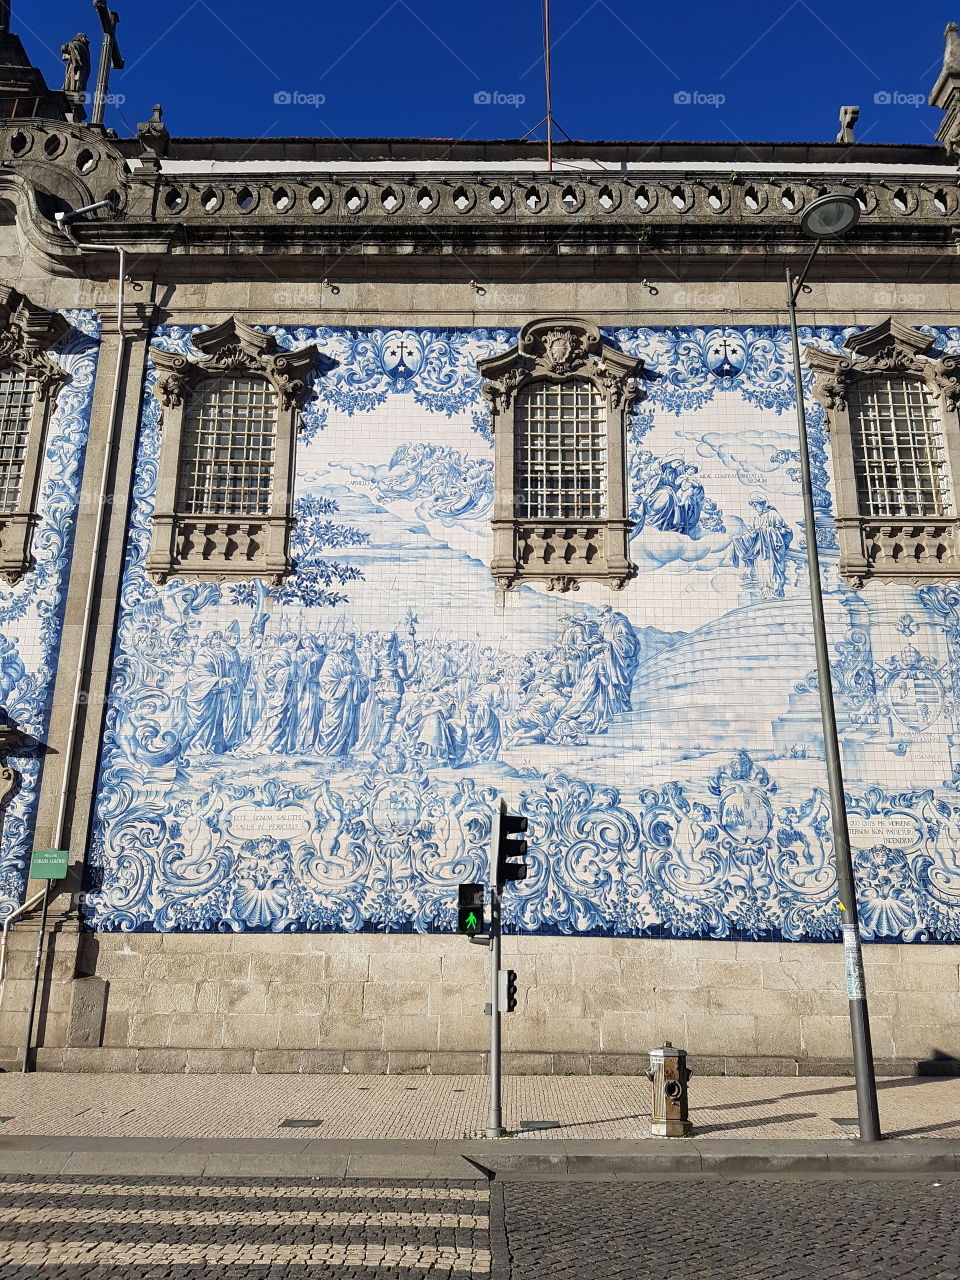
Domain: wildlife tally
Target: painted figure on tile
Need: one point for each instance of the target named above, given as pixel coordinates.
(12, 669)
(666, 494)
(762, 550)
(271, 733)
(342, 688)
(483, 722)
(214, 696)
(440, 735)
(388, 672)
(623, 655)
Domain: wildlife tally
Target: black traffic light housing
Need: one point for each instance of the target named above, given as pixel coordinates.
(508, 990)
(509, 848)
(470, 908)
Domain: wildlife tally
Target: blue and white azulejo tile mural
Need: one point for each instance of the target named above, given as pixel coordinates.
(326, 755)
(31, 611)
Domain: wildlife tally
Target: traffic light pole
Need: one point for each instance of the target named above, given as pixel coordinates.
(495, 1116)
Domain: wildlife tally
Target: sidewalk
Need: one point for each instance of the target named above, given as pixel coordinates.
(453, 1107)
(426, 1127)
(426, 1108)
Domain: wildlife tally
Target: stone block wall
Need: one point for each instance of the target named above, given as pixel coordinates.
(375, 1003)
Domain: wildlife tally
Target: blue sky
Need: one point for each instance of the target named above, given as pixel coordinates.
(425, 68)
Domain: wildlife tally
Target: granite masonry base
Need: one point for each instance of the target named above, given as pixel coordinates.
(378, 1003)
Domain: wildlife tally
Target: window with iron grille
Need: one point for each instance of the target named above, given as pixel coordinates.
(560, 443)
(229, 448)
(899, 452)
(17, 396)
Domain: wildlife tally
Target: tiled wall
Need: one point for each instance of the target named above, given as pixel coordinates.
(31, 611)
(325, 756)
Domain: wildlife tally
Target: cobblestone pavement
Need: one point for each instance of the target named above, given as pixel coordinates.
(426, 1107)
(76, 1228)
(736, 1230)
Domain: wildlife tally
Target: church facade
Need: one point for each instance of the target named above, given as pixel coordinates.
(351, 488)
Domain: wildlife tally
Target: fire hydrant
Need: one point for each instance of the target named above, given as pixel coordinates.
(669, 1073)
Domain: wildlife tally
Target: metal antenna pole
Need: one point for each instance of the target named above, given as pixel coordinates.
(852, 949)
(549, 82)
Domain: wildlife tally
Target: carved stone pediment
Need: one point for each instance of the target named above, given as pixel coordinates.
(27, 332)
(889, 348)
(234, 349)
(557, 349)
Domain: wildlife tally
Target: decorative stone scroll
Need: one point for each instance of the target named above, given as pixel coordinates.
(890, 547)
(27, 333)
(560, 553)
(211, 545)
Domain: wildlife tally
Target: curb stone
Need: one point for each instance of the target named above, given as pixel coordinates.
(503, 1160)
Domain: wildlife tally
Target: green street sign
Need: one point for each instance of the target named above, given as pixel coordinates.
(49, 864)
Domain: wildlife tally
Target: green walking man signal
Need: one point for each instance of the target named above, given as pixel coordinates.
(470, 908)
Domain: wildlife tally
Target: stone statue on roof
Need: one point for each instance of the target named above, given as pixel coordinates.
(951, 56)
(848, 118)
(76, 54)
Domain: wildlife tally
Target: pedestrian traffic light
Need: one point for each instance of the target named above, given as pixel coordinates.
(510, 851)
(507, 991)
(470, 908)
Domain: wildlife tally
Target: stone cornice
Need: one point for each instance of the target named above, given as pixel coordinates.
(460, 218)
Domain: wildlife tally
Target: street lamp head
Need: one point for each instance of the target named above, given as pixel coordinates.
(830, 216)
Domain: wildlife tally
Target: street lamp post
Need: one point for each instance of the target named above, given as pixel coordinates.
(828, 217)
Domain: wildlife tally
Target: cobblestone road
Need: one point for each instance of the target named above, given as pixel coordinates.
(77, 1228)
(736, 1230)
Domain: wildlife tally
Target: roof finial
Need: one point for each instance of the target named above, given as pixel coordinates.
(848, 118)
(945, 94)
(951, 56)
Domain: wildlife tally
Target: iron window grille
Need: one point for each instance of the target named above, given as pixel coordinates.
(898, 449)
(561, 451)
(229, 449)
(17, 398)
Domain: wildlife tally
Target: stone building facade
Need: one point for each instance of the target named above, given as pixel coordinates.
(351, 487)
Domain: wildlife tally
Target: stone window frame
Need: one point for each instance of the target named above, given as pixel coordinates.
(216, 547)
(905, 549)
(27, 333)
(561, 553)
